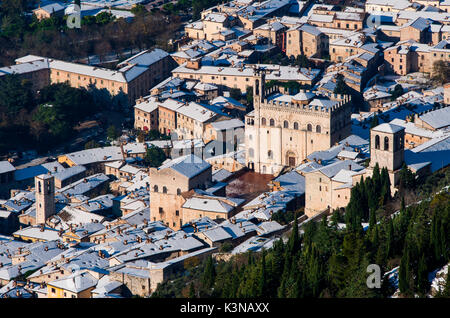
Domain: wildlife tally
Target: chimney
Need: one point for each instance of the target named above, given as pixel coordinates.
(350, 167)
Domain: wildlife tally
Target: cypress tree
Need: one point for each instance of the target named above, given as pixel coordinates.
(336, 272)
(390, 238)
(373, 219)
(281, 292)
(374, 121)
(443, 239)
(294, 239)
(385, 186)
(435, 235)
(422, 276)
(381, 255)
(277, 263)
(372, 196)
(262, 279)
(354, 208)
(335, 219)
(404, 274)
(209, 274)
(376, 237)
(376, 179)
(235, 284)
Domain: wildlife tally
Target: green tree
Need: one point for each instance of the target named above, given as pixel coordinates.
(398, 91)
(139, 9)
(262, 281)
(294, 239)
(303, 61)
(405, 273)
(422, 276)
(441, 72)
(154, 156)
(407, 179)
(15, 95)
(374, 122)
(226, 247)
(209, 275)
(112, 132)
(235, 93)
(104, 17)
(341, 86)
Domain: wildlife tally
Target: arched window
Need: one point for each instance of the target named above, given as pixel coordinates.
(318, 129)
(285, 124)
(377, 142)
(263, 121)
(399, 144)
(296, 126)
(272, 122)
(178, 191)
(251, 152)
(270, 154)
(155, 188)
(386, 143)
(309, 127)
(164, 189)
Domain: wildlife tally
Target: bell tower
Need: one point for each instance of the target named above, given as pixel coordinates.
(258, 98)
(259, 87)
(387, 146)
(45, 197)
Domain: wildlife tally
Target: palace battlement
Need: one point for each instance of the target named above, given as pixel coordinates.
(293, 105)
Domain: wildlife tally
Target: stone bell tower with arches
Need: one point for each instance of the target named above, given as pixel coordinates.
(387, 144)
(45, 197)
